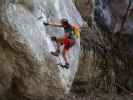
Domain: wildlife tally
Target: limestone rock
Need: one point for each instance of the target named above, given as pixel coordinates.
(27, 69)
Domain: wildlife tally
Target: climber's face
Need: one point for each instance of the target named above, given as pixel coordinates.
(65, 25)
(64, 22)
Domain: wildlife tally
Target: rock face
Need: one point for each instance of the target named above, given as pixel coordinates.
(115, 21)
(27, 69)
(110, 42)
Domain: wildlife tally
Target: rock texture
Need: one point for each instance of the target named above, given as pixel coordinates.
(110, 42)
(115, 22)
(27, 70)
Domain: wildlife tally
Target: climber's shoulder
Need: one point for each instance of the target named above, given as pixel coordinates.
(75, 26)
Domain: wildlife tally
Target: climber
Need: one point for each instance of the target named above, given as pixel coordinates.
(71, 33)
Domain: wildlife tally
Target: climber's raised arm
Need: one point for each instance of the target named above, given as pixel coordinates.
(52, 24)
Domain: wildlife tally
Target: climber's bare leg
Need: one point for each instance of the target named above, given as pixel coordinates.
(59, 42)
(65, 53)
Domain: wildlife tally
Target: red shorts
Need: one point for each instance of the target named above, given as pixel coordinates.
(68, 43)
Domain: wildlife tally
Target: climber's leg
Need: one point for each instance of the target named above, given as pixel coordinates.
(59, 42)
(68, 43)
(65, 53)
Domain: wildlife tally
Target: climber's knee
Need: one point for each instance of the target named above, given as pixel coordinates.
(60, 41)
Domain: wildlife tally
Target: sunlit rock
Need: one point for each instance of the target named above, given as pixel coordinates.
(27, 69)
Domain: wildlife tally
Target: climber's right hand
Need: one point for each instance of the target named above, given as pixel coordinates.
(53, 38)
(46, 23)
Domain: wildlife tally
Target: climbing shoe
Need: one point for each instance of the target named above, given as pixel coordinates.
(56, 53)
(53, 38)
(66, 65)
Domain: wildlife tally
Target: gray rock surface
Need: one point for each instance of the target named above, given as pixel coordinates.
(115, 21)
(107, 45)
(27, 69)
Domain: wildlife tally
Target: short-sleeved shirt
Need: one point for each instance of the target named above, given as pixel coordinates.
(70, 33)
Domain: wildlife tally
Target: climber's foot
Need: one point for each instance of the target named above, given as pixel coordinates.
(56, 53)
(64, 66)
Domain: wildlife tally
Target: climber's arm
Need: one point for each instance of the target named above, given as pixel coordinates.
(66, 35)
(51, 24)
